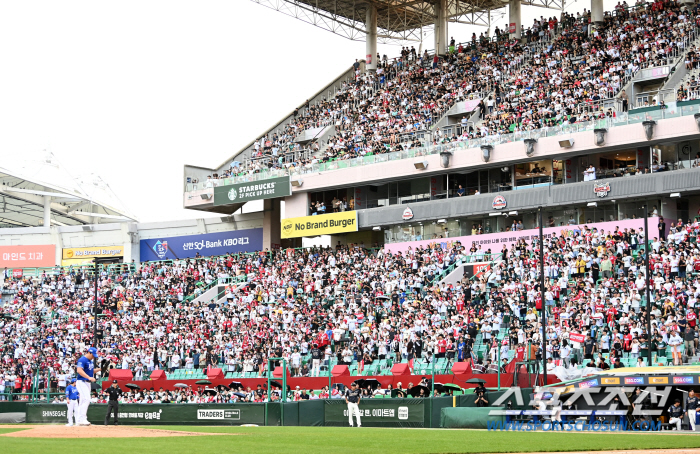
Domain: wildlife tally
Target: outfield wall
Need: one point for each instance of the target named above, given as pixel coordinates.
(331, 412)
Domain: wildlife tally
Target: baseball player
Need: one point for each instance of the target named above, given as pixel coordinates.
(352, 398)
(72, 396)
(85, 369)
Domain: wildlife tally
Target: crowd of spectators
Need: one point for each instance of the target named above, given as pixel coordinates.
(352, 305)
(565, 70)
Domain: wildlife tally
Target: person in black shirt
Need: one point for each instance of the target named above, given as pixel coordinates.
(675, 413)
(691, 407)
(316, 360)
(352, 398)
(588, 347)
(113, 402)
(480, 393)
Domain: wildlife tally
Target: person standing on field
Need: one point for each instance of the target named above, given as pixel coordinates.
(114, 393)
(86, 370)
(352, 398)
(72, 396)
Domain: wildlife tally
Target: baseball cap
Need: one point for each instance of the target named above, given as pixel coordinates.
(114, 381)
(93, 350)
(72, 380)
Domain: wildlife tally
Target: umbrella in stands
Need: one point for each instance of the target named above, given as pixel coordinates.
(209, 391)
(241, 395)
(451, 386)
(398, 393)
(180, 385)
(275, 384)
(132, 386)
(370, 383)
(235, 385)
(476, 380)
(439, 387)
(416, 391)
(222, 387)
(202, 382)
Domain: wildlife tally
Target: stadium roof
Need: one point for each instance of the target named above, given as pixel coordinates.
(27, 186)
(400, 20)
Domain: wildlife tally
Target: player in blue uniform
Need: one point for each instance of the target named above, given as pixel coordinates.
(72, 396)
(86, 370)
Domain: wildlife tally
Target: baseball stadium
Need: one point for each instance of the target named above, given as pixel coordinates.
(482, 239)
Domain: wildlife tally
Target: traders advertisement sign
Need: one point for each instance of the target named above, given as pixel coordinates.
(39, 256)
(207, 244)
(143, 414)
(323, 224)
(378, 413)
(257, 190)
(90, 252)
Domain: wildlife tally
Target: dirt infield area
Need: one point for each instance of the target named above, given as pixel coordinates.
(94, 431)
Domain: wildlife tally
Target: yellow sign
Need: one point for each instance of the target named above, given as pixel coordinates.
(610, 381)
(90, 252)
(323, 224)
(658, 380)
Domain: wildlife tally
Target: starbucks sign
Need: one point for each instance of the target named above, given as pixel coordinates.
(256, 190)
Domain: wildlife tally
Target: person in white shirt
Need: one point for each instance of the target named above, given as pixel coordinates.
(675, 341)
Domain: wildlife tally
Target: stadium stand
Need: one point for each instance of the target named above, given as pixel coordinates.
(369, 309)
(564, 72)
(366, 309)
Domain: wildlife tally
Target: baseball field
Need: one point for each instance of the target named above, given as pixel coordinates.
(56, 439)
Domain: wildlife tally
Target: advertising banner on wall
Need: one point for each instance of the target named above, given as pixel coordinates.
(257, 190)
(77, 256)
(90, 252)
(378, 413)
(143, 414)
(207, 244)
(496, 241)
(39, 256)
(322, 224)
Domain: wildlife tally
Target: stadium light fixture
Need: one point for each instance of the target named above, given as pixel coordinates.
(530, 146)
(600, 136)
(592, 204)
(486, 151)
(649, 128)
(421, 165)
(512, 213)
(205, 196)
(675, 194)
(376, 228)
(566, 143)
(296, 182)
(442, 221)
(496, 214)
(445, 159)
(697, 120)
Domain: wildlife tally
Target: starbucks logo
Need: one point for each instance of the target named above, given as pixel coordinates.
(232, 194)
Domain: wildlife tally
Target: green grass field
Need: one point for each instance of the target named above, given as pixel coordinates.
(326, 440)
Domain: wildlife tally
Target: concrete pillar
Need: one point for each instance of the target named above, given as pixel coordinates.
(371, 38)
(47, 211)
(597, 11)
(272, 228)
(514, 19)
(441, 12)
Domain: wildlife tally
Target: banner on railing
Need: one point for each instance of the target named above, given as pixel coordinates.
(208, 244)
(258, 190)
(496, 241)
(323, 224)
